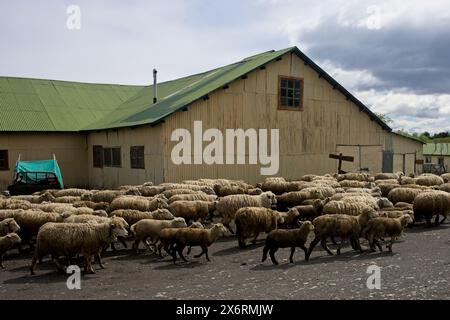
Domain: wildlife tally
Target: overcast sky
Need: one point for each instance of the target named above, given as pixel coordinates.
(393, 55)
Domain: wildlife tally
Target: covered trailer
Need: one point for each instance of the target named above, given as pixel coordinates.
(32, 176)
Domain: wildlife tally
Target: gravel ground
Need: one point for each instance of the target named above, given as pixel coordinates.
(419, 268)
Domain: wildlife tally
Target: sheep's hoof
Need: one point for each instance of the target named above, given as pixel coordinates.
(291, 261)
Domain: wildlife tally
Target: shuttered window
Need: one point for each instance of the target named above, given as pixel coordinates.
(97, 152)
(4, 165)
(112, 157)
(137, 157)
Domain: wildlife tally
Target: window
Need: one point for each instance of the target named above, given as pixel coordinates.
(4, 165)
(116, 159)
(97, 152)
(427, 159)
(107, 157)
(111, 157)
(137, 157)
(290, 95)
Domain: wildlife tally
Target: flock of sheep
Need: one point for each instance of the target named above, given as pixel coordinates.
(70, 223)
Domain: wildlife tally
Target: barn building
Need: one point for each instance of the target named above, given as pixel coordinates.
(438, 153)
(107, 135)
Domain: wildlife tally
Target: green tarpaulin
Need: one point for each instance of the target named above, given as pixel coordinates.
(35, 170)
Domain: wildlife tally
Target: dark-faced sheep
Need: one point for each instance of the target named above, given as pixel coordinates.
(251, 221)
(281, 238)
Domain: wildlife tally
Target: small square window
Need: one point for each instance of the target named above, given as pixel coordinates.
(137, 159)
(290, 93)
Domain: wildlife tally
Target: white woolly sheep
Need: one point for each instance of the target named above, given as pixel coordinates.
(70, 239)
(433, 203)
(227, 206)
(133, 216)
(428, 179)
(8, 225)
(137, 203)
(340, 225)
(150, 228)
(7, 242)
(192, 210)
(192, 197)
(381, 227)
(193, 237)
(251, 221)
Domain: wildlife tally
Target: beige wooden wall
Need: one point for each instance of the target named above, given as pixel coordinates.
(434, 159)
(110, 177)
(406, 152)
(306, 138)
(70, 151)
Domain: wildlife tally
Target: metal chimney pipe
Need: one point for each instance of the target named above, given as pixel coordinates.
(155, 86)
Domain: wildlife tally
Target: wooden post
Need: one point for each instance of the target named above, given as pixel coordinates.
(341, 158)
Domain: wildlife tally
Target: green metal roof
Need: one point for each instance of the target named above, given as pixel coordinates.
(49, 105)
(45, 105)
(436, 149)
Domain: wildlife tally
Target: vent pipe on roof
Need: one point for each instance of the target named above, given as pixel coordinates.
(155, 86)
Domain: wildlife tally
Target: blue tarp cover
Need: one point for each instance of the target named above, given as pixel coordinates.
(50, 166)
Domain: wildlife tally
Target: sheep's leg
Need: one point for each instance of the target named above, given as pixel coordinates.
(256, 236)
(189, 250)
(311, 247)
(265, 250)
(99, 258)
(135, 246)
(34, 261)
(229, 228)
(338, 251)
(323, 243)
(88, 267)
(390, 244)
(291, 257)
(272, 255)
(443, 219)
(59, 266)
(241, 242)
(206, 253)
(122, 241)
(180, 252)
(377, 243)
(305, 250)
(436, 220)
(1, 262)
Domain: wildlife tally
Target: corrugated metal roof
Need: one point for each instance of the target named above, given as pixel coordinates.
(50, 105)
(73, 106)
(436, 149)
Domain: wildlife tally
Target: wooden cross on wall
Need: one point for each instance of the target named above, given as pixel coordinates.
(341, 158)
